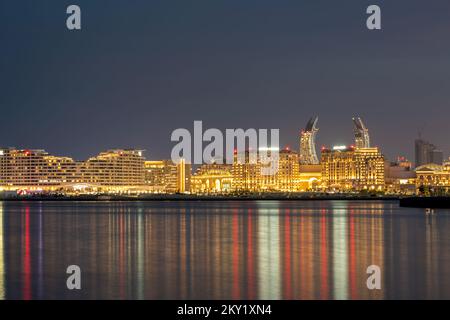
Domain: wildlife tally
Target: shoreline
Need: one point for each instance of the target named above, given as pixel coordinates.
(182, 197)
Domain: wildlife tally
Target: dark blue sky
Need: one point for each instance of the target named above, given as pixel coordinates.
(140, 69)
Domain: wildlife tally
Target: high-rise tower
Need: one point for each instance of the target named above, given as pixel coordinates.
(362, 139)
(308, 153)
(427, 152)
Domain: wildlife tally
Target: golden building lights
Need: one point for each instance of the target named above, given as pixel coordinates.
(212, 178)
(35, 169)
(433, 177)
(341, 169)
(288, 175)
(246, 173)
(164, 176)
(112, 170)
(352, 169)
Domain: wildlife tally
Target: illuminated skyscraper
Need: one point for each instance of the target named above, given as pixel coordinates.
(362, 139)
(308, 153)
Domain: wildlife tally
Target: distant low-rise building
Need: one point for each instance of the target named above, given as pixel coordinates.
(400, 178)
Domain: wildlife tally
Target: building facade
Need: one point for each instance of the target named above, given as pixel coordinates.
(433, 179)
(35, 169)
(212, 178)
(307, 149)
(247, 175)
(347, 169)
(165, 176)
(112, 170)
(310, 176)
(400, 178)
(288, 174)
(246, 172)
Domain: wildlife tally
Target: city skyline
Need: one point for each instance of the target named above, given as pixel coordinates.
(133, 74)
(311, 125)
(224, 158)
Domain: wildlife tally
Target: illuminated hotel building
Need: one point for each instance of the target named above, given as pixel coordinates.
(352, 169)
(310, 176)
(212, 178)
(35, 169)
(246, 173)
(113, 170)
(164, 176)
(433, 176)
(287, 177)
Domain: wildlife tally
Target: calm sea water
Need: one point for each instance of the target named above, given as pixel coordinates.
(223, 250)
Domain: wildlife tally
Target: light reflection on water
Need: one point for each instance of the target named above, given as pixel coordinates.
(223, 250)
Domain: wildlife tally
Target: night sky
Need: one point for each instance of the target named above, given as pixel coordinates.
(140, 69)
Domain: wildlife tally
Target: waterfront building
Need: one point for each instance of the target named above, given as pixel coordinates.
(212, 178)
(184, 176)
(113, 171)
(307, 149)
(247, 175)
(426, 152)
(34, 170)
(362, 139)
(310, 176)
(400, 178)
(165, 176)
(352, 169)
(246, 172)
(287, 178)
(433, 178)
